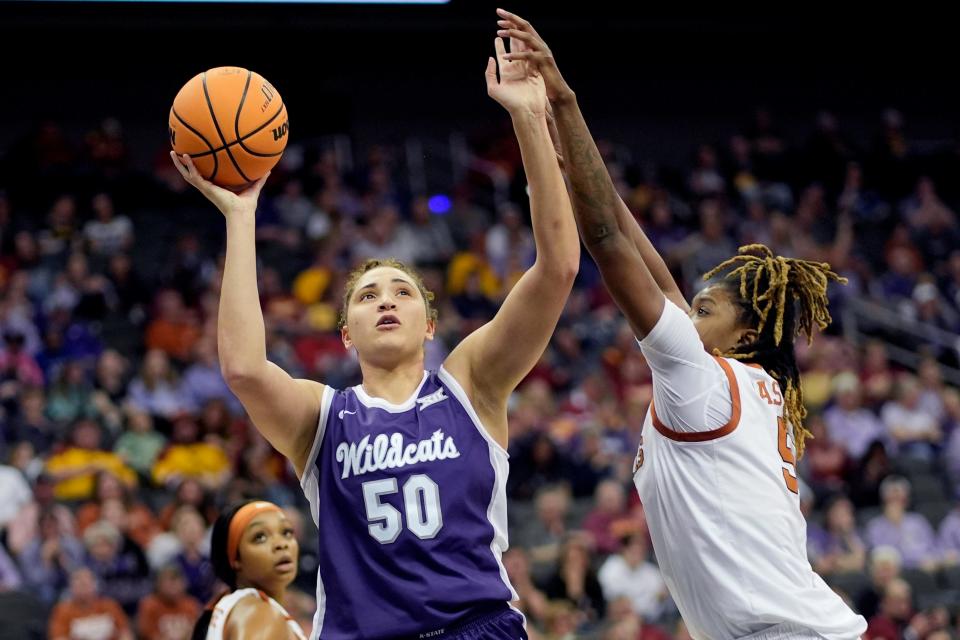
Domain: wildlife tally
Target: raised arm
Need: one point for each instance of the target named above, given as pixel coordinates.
(284, 410)
(497, 356)
(593, 190)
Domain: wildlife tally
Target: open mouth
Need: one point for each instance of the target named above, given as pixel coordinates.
(388, 322)
(285, 564)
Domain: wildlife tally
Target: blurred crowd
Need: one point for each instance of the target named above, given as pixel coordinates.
(120, 440)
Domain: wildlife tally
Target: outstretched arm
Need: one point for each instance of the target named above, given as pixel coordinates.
(497, 356)
(594, 195)
(283, 409)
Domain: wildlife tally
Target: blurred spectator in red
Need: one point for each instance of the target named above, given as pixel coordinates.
(86, 615)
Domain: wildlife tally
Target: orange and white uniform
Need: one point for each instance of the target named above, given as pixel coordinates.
(717, 477)
(218, 622)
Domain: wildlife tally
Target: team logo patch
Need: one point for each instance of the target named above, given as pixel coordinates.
(432, 399)
(638, 461)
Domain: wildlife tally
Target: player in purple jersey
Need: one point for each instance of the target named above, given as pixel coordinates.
(406, 472)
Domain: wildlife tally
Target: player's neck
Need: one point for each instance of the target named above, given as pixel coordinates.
(393, 384)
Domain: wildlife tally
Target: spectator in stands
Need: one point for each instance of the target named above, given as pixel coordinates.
(141, 525)
(386, 236)
(107, 234)
(86, 614)
(168, 613)
(532, 602)
(110, 385)
(193, 558)
(140, 444)
(174, 331)
(190, 457)
(865, 480)
(18, 369)
(624, 623)
(128, 287)
(47, 561)
(948, 538)
(885, 564)
(74, 469)
(15, 494)
(825, 460)
(932, 311)
(907, 532)
(203, 380)
(71, 395)
(630, 574)
(574, 579)
(473, 262)
(951, 284)
(933, 223)
(611, 506)
(848, 422)
(56, 238)
(118, 563)
(951, 408)
(10, 579)
(157, 390)
(431, 234)
(538, 463)
(31, 424)
(189, 492)
(509, 244)
(837, 548)
(544, 535)
(876, 374)
(896, 618)
(915, 432)
(932, 388)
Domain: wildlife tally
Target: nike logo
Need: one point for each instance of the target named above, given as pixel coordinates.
(349, 413)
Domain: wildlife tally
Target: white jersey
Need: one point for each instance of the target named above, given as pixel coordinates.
(218, 622)
(716, 474)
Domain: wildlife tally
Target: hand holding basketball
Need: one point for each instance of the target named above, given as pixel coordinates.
(227, 201)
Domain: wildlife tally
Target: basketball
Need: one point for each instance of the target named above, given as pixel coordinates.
(232, 123)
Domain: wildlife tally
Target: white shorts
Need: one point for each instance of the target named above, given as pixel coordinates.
(784, 631)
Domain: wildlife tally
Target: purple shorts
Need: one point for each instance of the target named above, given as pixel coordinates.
(503, 624)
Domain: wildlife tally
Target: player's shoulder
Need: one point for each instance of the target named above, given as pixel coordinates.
(254, 616)
(745, 367)
(313, 387)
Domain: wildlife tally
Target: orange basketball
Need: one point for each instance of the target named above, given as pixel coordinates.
(232, 122)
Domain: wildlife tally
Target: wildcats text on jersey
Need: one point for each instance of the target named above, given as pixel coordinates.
(389, 452)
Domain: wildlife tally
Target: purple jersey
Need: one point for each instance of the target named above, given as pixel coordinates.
(410, 501)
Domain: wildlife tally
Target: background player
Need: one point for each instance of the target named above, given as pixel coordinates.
(255, 553)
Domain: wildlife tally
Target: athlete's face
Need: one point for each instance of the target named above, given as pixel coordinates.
(268, 553)
(386, 317)
(717, 321)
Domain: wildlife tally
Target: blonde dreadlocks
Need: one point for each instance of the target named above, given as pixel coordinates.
(795, 292)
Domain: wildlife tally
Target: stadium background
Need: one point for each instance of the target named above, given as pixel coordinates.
(827, 135)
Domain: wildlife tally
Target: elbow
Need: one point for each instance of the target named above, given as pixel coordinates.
(238, 376)
(562, 272)
(567, 272)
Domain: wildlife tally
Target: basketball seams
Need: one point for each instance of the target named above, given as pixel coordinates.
(216, 163)
(266, 124)
(239, 140)
(243, 98)
(216, 123)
